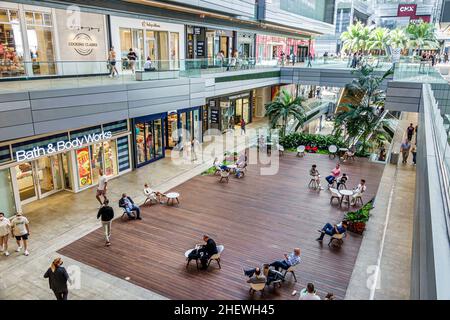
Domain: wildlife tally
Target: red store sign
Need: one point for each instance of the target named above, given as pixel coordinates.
(406, 10)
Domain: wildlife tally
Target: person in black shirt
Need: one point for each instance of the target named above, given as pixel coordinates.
(57, 279)
(132, 57)
(106, 213)
(410, 131)
(207, 250)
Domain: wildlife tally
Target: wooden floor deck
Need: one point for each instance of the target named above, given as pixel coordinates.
(257, 219)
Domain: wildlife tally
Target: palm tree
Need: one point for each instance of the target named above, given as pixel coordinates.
(378, 40)
(422, 36)
(284, 107)
(356, 37)
(361, 118)
(398, 39)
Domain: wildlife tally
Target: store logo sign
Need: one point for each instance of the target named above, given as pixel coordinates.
(83, 44)
(61, 146)
(147, 24)
(406, 10)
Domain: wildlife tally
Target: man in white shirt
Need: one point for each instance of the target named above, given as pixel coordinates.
(21, 230)
(5, 229)
(309, 293)
(101, 189)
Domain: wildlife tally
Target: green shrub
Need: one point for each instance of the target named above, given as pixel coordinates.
(361, 215)
(293, 140)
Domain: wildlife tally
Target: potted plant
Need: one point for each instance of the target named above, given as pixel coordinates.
(357, 219)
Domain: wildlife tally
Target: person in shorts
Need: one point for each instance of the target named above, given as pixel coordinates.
(5, 229)
(21, 231)
(101, 189)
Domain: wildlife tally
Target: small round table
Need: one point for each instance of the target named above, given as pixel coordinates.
(346, 195)
(171, 197)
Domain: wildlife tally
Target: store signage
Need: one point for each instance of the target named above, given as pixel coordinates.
(406, 10)
(61, 146)
(420, 19)
(214, 116)
(197, 30)
(83, 44)
(200, 48)
(147, 24)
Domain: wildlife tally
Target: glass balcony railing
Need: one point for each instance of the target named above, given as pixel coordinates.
(70, 74)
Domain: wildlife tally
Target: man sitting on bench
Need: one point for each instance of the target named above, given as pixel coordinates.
(148, 65)
(330, 230)
(128, 205)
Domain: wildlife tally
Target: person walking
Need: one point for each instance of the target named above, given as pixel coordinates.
(414, 153)
(57, 279)
(106, 213)
(404, 149)
(243, 124)
(21, 231)
(5, 229)
(132, 57)
(410, 131)
(112, 63)
(102, 185)
(310, 57)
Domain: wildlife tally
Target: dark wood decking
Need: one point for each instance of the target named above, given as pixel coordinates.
(257, 219)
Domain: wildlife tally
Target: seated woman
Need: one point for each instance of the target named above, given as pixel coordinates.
(314, 173)
(151, 194)
(349, 153)
(358, 191)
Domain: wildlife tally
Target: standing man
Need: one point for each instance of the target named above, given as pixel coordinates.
(243, 126)
(410, 131)
(309, 60)
(21, 230)
(102, 185)
(5, 229)
(132, 57)
(57, 279)
(404, 148)
(106, 213)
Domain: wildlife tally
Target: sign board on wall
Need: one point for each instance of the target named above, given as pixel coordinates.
(406, 10)
(83, 39)
(201, 48)
(214, 116)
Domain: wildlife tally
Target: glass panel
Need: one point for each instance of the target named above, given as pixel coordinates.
(158, 133)
(223, 45)
(238, 117)
(210, 44)
(45, 175)
(110, 156)
(47, 19)
(4, 15)
(125, 42)
(123, 154)
(84, 168)
(38, 18)
(96, 161)
(29, 17)
(138, 44)
(196, 120)
(172, 130)
(149, 140)
(245, 110)
(140, 142)
(11, 51)
(151, 45)
(67, 170)
(188, 125)
(7, 205)
(40, 41)
(183, 126)
(13, 16)
(163, 49)
(56, 172)
(25, 181)
(174, 46)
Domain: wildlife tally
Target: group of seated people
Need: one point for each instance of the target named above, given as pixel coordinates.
(241, 164)
(271, 272)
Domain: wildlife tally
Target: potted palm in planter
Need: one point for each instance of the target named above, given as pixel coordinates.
(357, 219)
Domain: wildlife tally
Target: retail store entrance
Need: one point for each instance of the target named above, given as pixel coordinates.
(42, 177)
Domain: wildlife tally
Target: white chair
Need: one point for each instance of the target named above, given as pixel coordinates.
(300, 151)
(313, 183)
(335, 195)
(332, 149)
(357, 198)
(292, 269)
(280, 149)
(216, 257)
(224, 175)
(254, 287)
(150, 196)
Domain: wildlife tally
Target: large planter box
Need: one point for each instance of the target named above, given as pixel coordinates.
(356, 227)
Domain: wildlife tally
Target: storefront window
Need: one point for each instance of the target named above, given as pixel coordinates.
(84, 167)
(174, 46)
(140, 142)
(40, 43)
(172, 130)
(149, 143)
(11, 45)
(96, 161)
(110, 157)
(196, 120)
(158, 142)
(131, 39)
(7, 205)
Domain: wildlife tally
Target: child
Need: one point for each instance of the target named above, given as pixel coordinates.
(342, 180)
